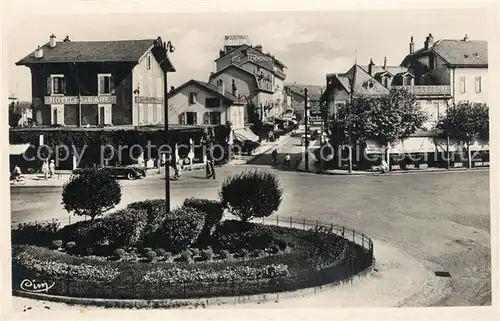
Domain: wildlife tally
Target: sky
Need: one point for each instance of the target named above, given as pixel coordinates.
(310, 43)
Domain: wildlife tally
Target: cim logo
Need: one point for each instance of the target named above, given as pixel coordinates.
(34, 286)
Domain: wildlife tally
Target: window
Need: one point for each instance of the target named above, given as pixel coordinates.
(106, 85)
(192, 98)
(212, 118)
(432, 62)
(478, 84)
(406, 81)
(212, 102)
(462, 85)
(56, 85)
(148, 62)
(386, 82)
(436, 109)
(188, 118)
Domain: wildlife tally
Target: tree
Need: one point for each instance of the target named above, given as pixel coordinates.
(387, 118)
(92, 193)
(466, 121)
(15, 114)
(251, 194)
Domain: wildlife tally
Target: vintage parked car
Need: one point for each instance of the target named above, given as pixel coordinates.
(120, 171)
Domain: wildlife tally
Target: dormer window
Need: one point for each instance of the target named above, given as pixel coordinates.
(386, 81)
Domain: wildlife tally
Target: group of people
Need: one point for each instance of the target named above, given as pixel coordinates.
(48, 170)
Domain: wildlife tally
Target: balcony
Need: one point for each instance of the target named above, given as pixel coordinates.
(279, 73)
(428, 90)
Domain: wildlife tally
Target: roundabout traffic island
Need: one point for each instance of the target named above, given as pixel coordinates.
(146, 256)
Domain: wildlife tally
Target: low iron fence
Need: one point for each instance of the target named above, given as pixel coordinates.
(356, 259)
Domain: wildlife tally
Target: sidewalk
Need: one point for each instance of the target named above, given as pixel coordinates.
(397, 279)
(314, 168)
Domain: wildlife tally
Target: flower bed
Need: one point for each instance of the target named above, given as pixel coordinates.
(98, 277)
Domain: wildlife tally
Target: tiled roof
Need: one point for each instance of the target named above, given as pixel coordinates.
(91, 51)
(457, 52)
(313, 91)
(228, 95)
(362, 82)
(212, 76)
(393, 70)
(249, 46)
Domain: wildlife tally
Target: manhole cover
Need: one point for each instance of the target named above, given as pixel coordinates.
(442, 274)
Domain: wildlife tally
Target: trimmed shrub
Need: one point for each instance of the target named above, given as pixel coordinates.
(224, 254)
(35, 233)
(258, 253)
(181, 228)
(70, 247)
(213, 212)
(150, 255)
(86, 234)
(154, 210)
(160, 252)
(207, 254)
(252, 193)
(186, 256)
(125, 228)
(244, 253)
(119, 253)
(92, 192)
(56, 244)
(234, 235)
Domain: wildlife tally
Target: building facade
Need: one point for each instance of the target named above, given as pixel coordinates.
(97, 83)
(200, 103)
(240, 62)
(461, 64)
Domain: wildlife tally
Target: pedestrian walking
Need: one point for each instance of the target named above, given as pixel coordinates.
(45, 169)
(287, 160)
(52, 169)
(274, 154)
(384, 167)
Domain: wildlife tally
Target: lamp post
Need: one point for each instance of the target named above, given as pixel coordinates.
(167, 48)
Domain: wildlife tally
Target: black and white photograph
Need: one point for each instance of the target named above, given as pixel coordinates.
(228, 158)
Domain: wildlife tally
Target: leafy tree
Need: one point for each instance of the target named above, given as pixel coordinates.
(251, 194)
(15, 114)
(92, 192)
(387, 118)
(466, 121)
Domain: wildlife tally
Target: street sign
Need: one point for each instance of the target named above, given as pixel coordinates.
(84, 100)
(148, 100)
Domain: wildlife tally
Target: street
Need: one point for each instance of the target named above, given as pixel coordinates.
(442, 219)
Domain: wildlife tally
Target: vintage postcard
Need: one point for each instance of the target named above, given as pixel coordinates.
(216, 158)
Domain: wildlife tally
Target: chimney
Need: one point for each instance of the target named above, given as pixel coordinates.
(52, 43)
(66, 39)
(370, 67)
(466, 38)
(385, 63)
(172, 88)
(429, 41)
(412, 46)
(221, 53)
(39, 53)
(258, 48)
(220, 87)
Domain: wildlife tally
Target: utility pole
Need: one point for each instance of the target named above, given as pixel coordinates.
(79, 97)
(350, 112)
(447, 138)
(167, 47)
(321, 107)
(306, 118)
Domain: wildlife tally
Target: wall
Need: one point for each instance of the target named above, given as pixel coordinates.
(470, 83)
(179, 103)
(86, 75)
(150, 84)
(236, 115)
(435, 108)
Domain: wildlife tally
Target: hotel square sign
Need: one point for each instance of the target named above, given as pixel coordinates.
(149, 100)
(84, 100)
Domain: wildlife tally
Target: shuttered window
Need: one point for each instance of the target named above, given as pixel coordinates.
(106, 84)
(56, 85)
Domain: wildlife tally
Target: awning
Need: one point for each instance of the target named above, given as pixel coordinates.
(18, 149)
(480, 146)
(440, 143)
(414, 145)
(245, 134)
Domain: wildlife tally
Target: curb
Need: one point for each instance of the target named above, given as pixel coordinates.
(256, 156)
(397, 172)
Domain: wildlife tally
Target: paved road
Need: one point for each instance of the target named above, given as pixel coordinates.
(442, 219)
